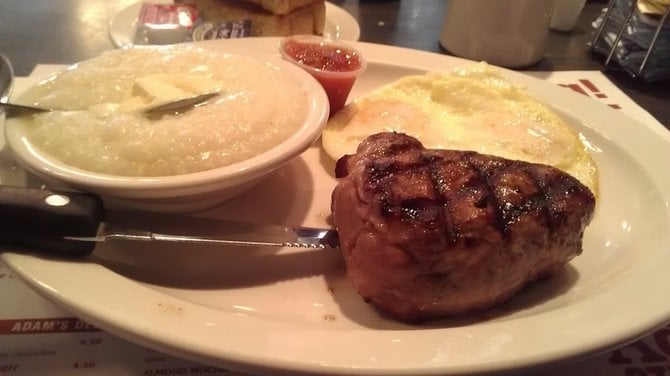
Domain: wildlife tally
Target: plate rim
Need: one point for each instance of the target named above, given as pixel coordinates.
(244, 362)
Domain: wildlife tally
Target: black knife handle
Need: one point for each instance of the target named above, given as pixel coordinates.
(37, 219)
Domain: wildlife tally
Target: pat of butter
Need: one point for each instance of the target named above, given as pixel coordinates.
(158, 89)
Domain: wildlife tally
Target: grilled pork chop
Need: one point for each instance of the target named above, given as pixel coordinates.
(427, 233)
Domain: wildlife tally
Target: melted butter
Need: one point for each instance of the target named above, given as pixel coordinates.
(160, 88)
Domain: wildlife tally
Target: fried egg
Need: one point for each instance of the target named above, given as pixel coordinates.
(468, 109)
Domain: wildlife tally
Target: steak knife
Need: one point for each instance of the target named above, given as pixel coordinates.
(72, 223)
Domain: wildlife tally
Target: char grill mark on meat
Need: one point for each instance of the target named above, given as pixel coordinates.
(435, 232)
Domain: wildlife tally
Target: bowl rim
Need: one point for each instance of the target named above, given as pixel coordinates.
(315, 119)
(321, 41)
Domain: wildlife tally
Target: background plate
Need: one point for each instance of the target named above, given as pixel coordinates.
(339, 24)
(293, 311)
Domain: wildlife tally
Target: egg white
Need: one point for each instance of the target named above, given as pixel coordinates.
(468, 109)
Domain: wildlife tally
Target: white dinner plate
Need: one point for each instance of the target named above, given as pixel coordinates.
(275, 311)
(339, 24)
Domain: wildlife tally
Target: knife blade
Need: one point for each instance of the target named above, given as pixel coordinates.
(72, 223)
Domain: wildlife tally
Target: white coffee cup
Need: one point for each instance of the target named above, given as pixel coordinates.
(565, 14)
(509, 33)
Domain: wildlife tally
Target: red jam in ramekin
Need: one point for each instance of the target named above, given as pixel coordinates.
(334, 64)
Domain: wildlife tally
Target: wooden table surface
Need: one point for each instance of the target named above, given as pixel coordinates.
(66, 31)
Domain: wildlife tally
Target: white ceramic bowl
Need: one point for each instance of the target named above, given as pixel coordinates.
(187, 192)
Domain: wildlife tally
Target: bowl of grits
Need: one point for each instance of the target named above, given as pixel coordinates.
(101, 140)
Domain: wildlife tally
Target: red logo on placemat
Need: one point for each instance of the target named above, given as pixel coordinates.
(588, 88)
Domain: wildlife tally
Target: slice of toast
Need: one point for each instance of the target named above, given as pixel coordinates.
(283, 6)
(309, 19)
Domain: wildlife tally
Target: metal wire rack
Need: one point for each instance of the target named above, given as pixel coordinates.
(629, 14)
